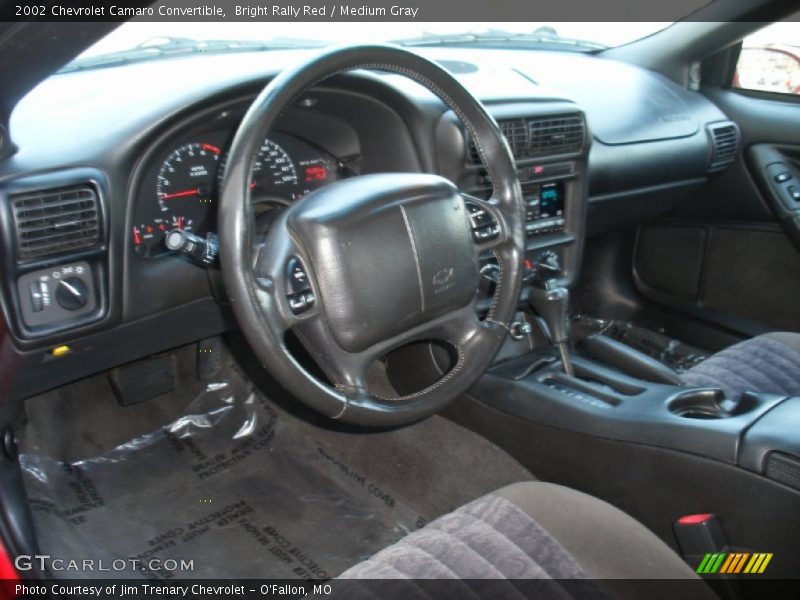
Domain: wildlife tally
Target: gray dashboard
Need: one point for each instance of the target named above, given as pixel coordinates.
(649, 148)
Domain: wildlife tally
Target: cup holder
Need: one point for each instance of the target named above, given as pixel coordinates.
(709, 403)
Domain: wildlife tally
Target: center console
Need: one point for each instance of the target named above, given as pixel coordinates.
(596, 386)
(602, 401)
(549, 142)
(589, 415)
(595, 414)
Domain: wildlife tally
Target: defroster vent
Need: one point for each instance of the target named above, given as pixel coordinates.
(56, 221)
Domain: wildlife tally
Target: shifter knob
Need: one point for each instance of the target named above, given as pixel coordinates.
(551, 303)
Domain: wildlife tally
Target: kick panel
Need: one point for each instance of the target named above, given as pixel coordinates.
(754, 274)
(744, 277)
(671, 259)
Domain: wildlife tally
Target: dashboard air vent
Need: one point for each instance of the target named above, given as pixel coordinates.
(55, 221)
(539, 137)
(724, 139)
(556, 136)
(516, 133)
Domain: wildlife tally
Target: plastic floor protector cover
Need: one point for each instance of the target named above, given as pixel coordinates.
(230, 486)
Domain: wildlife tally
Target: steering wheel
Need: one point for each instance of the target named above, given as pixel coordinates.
(371, 263)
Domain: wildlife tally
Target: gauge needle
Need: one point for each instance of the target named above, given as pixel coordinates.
(183, 194)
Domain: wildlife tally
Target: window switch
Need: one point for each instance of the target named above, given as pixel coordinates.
(783, 176)
(794, 193)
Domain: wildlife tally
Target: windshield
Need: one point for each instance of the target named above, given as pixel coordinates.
(153, 40)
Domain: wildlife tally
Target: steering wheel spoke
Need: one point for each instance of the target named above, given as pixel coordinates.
(347, 370)
(489, 227)
(351, 370)
(458, 327)
(284, 280)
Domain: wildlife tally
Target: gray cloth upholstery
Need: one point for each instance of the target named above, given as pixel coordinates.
(489, 538)
(605, 541)
(787, 338)
(533, 531)
(768, 363)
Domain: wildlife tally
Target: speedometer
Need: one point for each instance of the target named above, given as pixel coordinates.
(273, 168)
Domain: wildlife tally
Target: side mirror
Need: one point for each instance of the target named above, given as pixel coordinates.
(769, 69)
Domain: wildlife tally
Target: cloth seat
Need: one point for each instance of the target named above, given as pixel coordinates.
(768, 363)
(531, 531)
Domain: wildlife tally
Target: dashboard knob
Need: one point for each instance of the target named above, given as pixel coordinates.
(548, 262)
(72, 293)
(39, 295)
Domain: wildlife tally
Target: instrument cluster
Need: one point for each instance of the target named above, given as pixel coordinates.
(181, 188)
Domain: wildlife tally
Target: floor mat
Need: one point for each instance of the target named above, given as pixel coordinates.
(238, 486)
(673, 353)
(230, 483)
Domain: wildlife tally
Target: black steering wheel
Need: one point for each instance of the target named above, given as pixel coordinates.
(371, 263)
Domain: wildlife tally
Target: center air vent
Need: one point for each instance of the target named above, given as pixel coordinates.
(724, 140)
(517, 134)
(56, 221)
(539, 137)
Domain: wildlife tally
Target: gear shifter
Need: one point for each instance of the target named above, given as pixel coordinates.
(551, 303)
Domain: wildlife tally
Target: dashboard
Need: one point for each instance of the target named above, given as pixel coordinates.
(140, 150)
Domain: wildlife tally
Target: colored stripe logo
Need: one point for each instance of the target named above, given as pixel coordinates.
(734, 562)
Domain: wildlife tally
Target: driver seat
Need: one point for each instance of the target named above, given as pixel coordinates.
(532, 531)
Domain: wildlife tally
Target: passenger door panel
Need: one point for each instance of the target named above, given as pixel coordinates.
(777, 170)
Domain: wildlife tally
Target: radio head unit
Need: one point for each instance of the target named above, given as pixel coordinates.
(544, 207)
